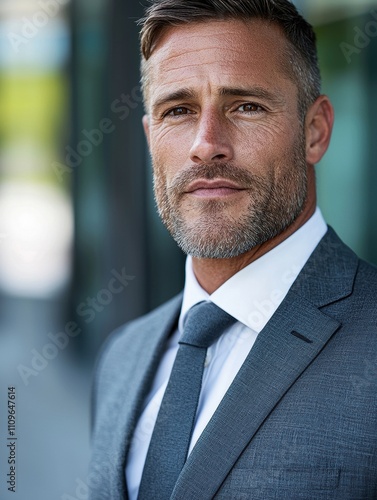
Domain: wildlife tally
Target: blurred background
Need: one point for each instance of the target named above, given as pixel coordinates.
(81, 248)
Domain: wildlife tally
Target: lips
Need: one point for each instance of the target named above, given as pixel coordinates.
(219, 187)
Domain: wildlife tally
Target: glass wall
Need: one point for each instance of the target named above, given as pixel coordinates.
(37, 357)
(36, 219)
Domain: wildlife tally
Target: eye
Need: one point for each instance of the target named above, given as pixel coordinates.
(178, 111)
(250, 107)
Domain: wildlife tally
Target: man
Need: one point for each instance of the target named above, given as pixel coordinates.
(236, 122)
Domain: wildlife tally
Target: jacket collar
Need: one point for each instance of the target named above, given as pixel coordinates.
(330, 272)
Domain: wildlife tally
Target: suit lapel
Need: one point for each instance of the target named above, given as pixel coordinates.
(291, 340)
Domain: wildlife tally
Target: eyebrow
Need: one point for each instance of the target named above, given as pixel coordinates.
(174, 96)
(251, 92)
(255, 91)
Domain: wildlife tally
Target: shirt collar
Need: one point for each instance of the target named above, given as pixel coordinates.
(253, 294)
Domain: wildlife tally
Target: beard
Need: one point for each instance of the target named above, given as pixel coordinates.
(207, 229)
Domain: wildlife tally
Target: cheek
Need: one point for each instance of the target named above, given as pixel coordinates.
(169, 156)
(265, 144)
(269, 135)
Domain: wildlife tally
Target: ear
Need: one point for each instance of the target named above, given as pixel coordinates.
(318, 127)
(146, 127)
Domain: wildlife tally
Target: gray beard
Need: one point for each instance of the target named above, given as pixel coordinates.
(215, 235)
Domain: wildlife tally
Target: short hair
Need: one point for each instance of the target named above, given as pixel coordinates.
(302, 60)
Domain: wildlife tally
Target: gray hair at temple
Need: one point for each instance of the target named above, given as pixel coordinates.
(301, 63)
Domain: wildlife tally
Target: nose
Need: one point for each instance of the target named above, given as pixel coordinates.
(212, 142)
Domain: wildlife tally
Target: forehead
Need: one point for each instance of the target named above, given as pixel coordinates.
(220, 53)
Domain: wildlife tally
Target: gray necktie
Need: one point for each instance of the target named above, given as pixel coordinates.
(171, 436)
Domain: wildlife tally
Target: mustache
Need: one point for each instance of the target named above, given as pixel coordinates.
(226, 171)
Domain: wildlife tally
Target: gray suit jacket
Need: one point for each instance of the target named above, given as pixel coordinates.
(299, 420)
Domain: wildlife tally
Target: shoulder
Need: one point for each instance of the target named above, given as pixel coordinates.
(148, 323)
(365, 289)
(338, 282)
(336, 261)
(129, 347)
(353, 285)
(128, 340)
(130, 334)
(362, 274)
(367, 274)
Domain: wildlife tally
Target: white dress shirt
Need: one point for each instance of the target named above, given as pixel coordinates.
(251, 296)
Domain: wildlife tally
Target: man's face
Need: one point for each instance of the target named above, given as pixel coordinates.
(224, 132)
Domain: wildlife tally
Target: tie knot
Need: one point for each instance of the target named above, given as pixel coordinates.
(204, 324)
